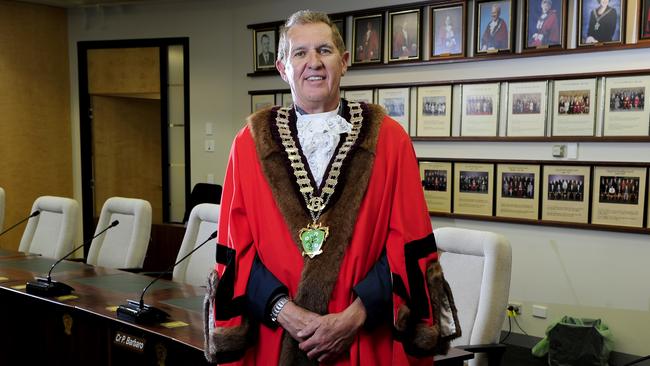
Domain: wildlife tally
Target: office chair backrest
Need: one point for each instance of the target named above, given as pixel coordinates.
(477, 265)
(125, 245)
(203, 193)
(2, 208)
(203, 221)
(51, 233)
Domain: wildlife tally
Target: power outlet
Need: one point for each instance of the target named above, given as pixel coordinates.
(516, 307)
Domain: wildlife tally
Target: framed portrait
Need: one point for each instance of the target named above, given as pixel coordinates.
(619, 196)
(367, 41)
(644, 20)
(518, 194)
(436, 182)
(625, 111)
(404, 30)
(480, 109)
(494, 26)
(397, 103)
(527, 109)
(447, 32)
(566, 193)
(340, 25)
(601, 22)
(545, 24)
(262, 101)
(265, 43)
(574, 107)
(473, 188)
(287, 99)
(365, 95)
(434, 111)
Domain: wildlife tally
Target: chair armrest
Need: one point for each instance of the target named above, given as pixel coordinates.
(493, 351)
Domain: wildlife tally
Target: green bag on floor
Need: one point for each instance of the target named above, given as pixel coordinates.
(576, 342)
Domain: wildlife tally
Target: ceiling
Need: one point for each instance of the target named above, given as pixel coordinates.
(87, 3)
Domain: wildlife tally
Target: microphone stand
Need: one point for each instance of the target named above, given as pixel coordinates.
(48, 288)
(138, 312)
(33, 214)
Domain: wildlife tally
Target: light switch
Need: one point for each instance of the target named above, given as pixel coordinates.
(209, 145)
(208, 128)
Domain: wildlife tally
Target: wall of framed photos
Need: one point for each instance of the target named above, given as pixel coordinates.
(556, 263)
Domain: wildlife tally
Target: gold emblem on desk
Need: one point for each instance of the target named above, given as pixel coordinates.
(67, 324)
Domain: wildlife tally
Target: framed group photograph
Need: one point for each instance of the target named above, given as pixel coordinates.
(527, 108)
(473, 188)
(436, 182)
(287, 99)
(518, 195)
(404, 28)
(447, 33)
(264, 41)
(644, 20)
(397, 103)
(566, 196)
(625, 111)
(574, 107)
(494, 26)
(367, 41)
(601, 22)
(619, 196)
(262, 101)
(480, 109)
(545, 24)
(434, 111)
(366, 95)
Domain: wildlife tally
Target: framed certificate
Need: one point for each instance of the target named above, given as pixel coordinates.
(619, 196)
(564, 197)
(366, 95)
(625, 110)
(262, 101)
(436, 182)
(473, 188)
(434, 111)
(397, 103)
(480, 109)
(574, 107)
(518, 195)
(527, 109)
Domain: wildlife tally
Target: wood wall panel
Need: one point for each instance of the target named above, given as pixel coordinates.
(124, 70)
(35, 137)
(127, 151)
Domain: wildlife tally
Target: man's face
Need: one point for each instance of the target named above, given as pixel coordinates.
(266, 42)
(313, 67)
(604, 3)
(495, 13)
(546, 6)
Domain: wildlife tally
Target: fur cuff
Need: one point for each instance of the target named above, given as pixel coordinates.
(420, 339)
(223, 344)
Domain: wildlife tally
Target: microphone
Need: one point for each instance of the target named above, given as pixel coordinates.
(138, 312)
(46, 287)
(33, 214)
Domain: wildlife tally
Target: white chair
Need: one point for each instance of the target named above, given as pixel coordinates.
(2, 207)
(477, 265)
(203, 221)
(52, 233)
(125, 245)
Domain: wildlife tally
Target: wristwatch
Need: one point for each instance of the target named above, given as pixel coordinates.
(277, 308)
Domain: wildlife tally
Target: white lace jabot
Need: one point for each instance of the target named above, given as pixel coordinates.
(319, 135)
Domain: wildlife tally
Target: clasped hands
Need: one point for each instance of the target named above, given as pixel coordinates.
(323, 337)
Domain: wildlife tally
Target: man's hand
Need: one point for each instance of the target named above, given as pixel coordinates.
(293, 319)
(330, 335)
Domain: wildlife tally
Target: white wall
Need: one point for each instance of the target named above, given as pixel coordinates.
(577, 272)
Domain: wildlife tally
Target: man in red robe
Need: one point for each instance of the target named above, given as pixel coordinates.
(324, 231)
(495, 36)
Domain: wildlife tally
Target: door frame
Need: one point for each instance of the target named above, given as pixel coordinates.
(85, 118)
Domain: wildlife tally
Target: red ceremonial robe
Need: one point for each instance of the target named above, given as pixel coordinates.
(379, 205)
